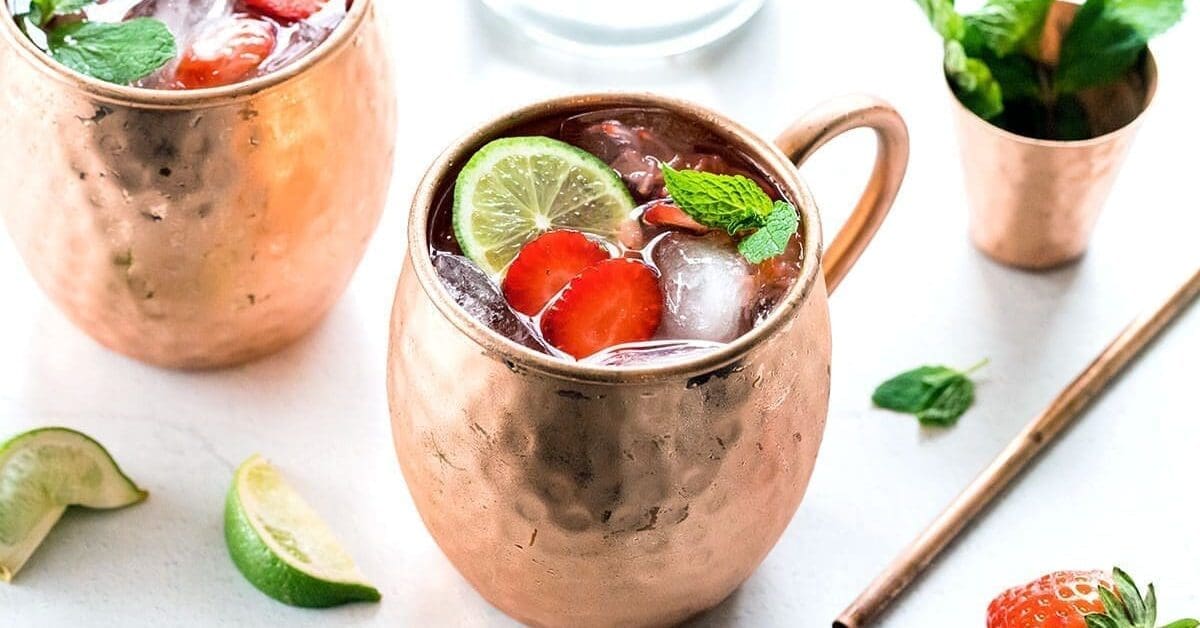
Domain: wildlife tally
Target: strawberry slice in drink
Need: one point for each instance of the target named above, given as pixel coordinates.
(226, 52)
(286, 10)
(545, 265)
(669, 215)
(613, 302)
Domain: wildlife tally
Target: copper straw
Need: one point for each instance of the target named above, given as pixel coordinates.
(1042, 430)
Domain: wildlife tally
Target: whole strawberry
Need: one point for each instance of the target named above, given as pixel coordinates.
(1078, 599)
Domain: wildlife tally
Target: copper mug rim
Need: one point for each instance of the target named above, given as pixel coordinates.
(764, 154)
(179, 99)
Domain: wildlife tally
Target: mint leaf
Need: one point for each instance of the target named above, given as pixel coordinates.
(973, 82)
(950, 402)
(1107, 38)
(718, 201)
(117, 53)
(937, 395)
(945, 20)
(42, 11)
(772, 238)
(1006, 26)
(911, 391)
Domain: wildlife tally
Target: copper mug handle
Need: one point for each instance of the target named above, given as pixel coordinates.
(829, 120)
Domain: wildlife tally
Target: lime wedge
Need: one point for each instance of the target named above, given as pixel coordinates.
(517, 188)
(41, 473)
(283, 547)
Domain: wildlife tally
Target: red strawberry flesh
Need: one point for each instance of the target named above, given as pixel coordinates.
(1057, 600)
(613, 302)
(286, 10)
(667, 214)
(226, 53)
(545, 266)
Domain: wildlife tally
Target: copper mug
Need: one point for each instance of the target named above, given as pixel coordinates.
(199, 228)
(573, 495)
(1034, 202)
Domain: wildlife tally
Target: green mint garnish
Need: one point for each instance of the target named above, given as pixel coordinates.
(993, 64)
(937, 395)
(1107, 38)
(735, 204)
(115, 52)
(772, 238)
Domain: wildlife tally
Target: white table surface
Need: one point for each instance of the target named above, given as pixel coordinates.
(1120, 488)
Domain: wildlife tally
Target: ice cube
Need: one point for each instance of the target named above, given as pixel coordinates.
(652, 352)
(471, 288)
(708, 287)
(181, 16)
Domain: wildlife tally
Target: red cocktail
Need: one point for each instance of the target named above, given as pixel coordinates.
(567, 238)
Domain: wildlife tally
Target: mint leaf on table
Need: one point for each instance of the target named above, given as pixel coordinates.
(736, 204)
(937, 395)
(973, 82)
(733, 203)
(1007, 26)
(1107, 38)
(117, 53)
(772, 238)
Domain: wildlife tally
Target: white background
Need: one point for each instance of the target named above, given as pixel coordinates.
(1119, 488)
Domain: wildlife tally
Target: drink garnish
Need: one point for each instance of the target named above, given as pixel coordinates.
(514, 189)
(118, 53)
(936, 395)
(44, 471)
(612, 302)
(736, 204)
(545, 266)
(226, 52)
(287, 10)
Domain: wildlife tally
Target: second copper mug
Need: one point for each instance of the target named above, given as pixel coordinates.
(573, 495)
(197, 228)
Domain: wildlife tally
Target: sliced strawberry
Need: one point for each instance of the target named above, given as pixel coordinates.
(286, 10)
(668, 214)
(545, 265)
(614, 301)
(226, 52)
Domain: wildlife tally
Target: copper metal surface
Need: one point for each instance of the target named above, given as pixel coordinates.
(1035, 202)
(1039, 433)
(571, 495)
(197, 228)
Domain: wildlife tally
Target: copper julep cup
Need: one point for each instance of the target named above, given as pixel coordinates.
(1034, 202)
(573, 495)
(200, 228)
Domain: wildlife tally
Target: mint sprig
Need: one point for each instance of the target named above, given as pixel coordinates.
(991, 58)
(115, 52)
(737, 205)
(936, 395)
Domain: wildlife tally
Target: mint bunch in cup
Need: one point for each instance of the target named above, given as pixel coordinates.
(1001, 66)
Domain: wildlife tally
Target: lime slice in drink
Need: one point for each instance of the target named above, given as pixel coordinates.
(517, 188)
(41, 473)
(283, 547)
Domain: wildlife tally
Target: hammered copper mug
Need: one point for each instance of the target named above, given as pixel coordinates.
(197, 228)
(573, 495)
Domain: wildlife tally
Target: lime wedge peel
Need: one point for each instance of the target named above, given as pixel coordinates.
(281, 545)
(516, 188)
(44, 471)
